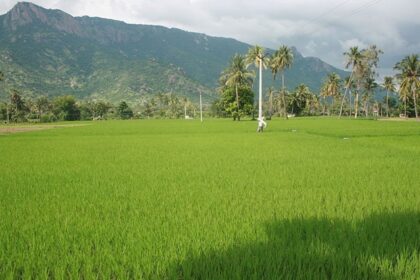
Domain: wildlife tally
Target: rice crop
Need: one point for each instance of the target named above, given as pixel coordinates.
(175, 199)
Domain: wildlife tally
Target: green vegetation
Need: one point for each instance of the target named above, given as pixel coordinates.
(68, 108)
(281, 60)
(409, 76)
(48, 52)
(169, 199)
(238, 79)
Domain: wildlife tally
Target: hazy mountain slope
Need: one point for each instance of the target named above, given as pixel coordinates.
(50, 52)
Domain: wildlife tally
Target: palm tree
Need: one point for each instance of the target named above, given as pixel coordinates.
(354, 59)
(7, 106)
(332, 87)
(350, 85)
(256, 56)
(390, 87)
(301, 94)
(369, 86)
(281, 60)
(270, 100)
(409, 76)
(323, 93)
(237, 75)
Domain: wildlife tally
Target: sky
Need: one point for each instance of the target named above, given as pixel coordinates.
(321, 28)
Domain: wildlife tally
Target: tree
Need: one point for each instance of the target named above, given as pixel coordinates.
(6, 105)
(257, 57)
(18, 106)
(350, 84)
(354, 60)
(65, 108)
(270, 102)
(332, 88)
(280, 61)
(237, 75)
(228, 103)
(124, 111)
(369, 85)
(298, 99)
(100, 109)
(409, 73)
(42, 104)
(390, 88)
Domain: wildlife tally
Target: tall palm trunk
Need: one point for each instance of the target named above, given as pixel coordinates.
(415, 103)
(332, 106)
(237, 100)
(345, 93)
(237, 97)
(356, 105)
(405, 106)
(366, 109)
(387, 103)
(350, 104)
(271, 103)
(283, 95)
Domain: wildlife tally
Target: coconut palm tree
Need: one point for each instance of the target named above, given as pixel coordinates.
(354, 58)
(409, 77)
(270, 100)
(369, 85)
(323, 94)
(237, 75)
(390, 87)
(256, 55)
(299, 98)
(332, 87)
(280, 61)
(350, 85)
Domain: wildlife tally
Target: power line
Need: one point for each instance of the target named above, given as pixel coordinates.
(352, 12)
(327, 12)
(362, 8)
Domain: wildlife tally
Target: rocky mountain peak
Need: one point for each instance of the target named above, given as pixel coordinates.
(25, 13)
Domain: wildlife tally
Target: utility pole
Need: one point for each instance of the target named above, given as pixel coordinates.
(260, 92)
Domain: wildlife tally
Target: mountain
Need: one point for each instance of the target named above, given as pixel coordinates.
(49, 52)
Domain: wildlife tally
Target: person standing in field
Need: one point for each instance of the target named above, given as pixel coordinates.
(261, 124)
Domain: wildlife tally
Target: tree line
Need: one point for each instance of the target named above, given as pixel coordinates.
(351, 96)
(68, 108)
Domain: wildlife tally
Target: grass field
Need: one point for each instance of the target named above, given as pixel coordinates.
(174, 199)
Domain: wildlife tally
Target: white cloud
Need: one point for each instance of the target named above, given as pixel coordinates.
(345, 45)
(320, 28)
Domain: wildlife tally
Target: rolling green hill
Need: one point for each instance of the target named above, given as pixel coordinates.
(52, 53)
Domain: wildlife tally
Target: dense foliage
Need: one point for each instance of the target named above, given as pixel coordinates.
(68, 108)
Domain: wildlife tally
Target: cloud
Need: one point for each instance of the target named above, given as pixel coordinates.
(322, 28)
(345, 45)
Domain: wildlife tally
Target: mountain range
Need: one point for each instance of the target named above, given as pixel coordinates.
(49, 52)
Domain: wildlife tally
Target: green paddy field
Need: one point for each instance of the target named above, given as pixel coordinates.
(175, 199)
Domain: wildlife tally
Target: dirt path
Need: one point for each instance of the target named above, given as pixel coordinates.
(4, 130)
